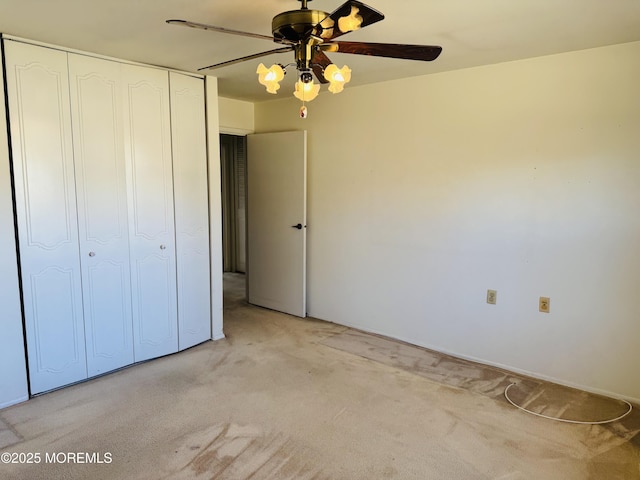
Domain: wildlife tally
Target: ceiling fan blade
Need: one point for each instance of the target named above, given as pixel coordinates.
(424, 53)
(319, 62)
(248, 57)
(202, 26)
(350, 16)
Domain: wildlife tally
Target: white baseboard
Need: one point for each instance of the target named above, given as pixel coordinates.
(14, 401)
(218, 336)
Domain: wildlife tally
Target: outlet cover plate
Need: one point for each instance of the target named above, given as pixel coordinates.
(492, 297)
(544, 304)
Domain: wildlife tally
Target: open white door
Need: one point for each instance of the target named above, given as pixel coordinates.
(276, 221)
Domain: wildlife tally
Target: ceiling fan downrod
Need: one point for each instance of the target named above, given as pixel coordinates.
(304, 4)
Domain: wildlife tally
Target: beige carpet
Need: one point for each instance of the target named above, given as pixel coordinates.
(7, 435)
(275, 401)
(537, 396)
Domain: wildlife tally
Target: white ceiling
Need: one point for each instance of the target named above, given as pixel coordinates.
(471, 32)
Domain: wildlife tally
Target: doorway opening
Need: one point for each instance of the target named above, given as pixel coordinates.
(233, 174)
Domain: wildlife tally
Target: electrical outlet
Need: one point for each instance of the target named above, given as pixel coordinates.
(543, 306)
(492, 296)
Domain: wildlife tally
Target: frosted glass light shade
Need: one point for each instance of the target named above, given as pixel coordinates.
(270, 77)
(337, 77)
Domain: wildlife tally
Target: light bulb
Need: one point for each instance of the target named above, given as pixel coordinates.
(306, 91)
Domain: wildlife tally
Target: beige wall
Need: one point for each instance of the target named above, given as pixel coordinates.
(236, 116)
(522, 177)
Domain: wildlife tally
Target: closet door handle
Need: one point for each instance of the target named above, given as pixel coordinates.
(163, 247)
(298, 226)
(92, 254)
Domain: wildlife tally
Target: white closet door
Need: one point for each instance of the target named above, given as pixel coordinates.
(102, 211)
(38, 92)
(191, 202)
(13, 373)
(150, 202)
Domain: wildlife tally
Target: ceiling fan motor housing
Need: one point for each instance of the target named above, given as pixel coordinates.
(295, 25)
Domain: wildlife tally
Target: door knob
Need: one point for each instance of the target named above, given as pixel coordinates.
(92, 254)
(162, 247)
(298, 226)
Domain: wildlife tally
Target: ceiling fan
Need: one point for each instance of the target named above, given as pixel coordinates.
(311, 33)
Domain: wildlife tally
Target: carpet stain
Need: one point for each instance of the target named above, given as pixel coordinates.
(8, 436)
(535, 395)
(232, 451)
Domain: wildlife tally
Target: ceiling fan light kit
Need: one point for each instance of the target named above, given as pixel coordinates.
(310, 33)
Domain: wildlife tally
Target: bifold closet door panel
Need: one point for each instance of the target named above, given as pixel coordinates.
(13, 372)
(40, 117)
(147, 141)
(191, 209)
(96, 106)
